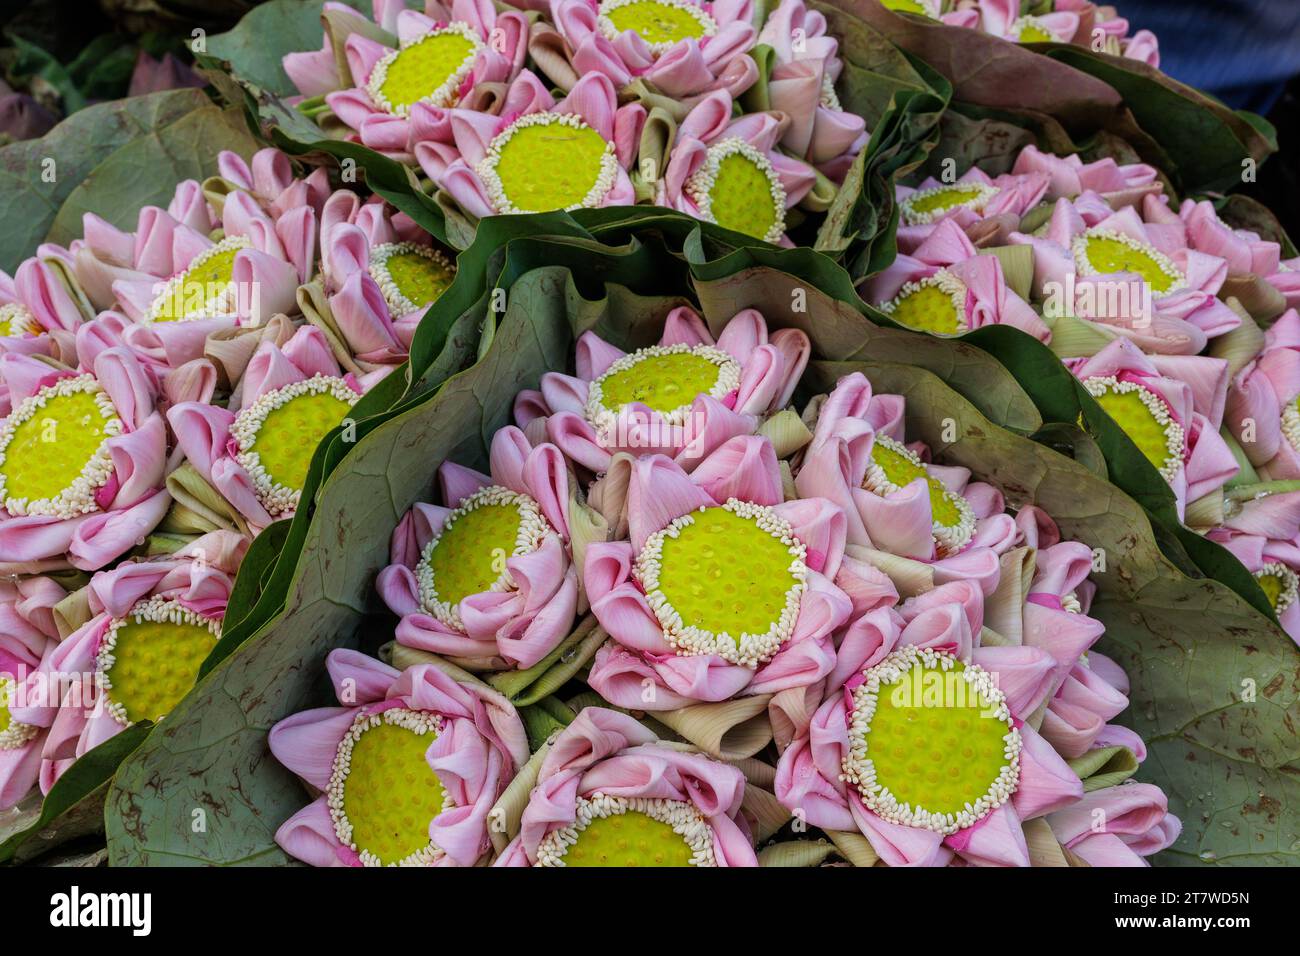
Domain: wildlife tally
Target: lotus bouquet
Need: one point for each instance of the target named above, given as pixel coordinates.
(813, 577)
(649, 108)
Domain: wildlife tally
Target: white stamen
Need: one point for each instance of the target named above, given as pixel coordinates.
(78, 498)
(858, 768)
(398, 302)
(685, 820)
(700, 186)
(417, 721)
(748, 650)
(604, 419)
(1099, 385)
(533, 531)
(447, 92)
(496, 190)
(275, 497)
(912, 216)
(156, 610)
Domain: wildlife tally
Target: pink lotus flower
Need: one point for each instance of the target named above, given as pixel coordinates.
(488, 579)
(1264, 533)
(154, 622)
(264, 480)
(1002, 19)
(681, 48)
(892, 500)
(1117, 826)
(946, 287)
(41, 309)
(802, 86)
(1119, 184)
(724, 587)
(904, 679)
(1139, 280)
(82, 459)
(442, 56)
(380, 271)
(682, 397)
(700, 178)
(1262, 410)
(385, 796)
(1171, 406)
(27, 635)
(1142, 45)
(538, 155)
(168, 287)
(1197, 226)
(684, 808)
(977, 202)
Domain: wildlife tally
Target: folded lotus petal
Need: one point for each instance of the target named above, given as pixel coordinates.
(898, 844)
(626, 679)
(526, 640)
(362, 315)
(106, 242)
(26, 375)
(622, 609)
(358, 678)
(800, 785)
(1129, 810)
(458, 482)
(578, 441)
(595, 55)
(1046, 781)
(1062, 635)
(461, 831)
(810, 654)
(139, 460)
(1084, 688)
(1026, 675)
(995, 840)
(399, 590)
(463, 185)
(202, 431)
(867, 587)
(594, 100)
(709, 425)
(20, 769)
(706, 678)
(900, 522)
(46, 295)
(34, 538)
(307, 741)
(124, 379)
(236, 485)
(104, 536)
(1070, 729)
(426, 633)
(309, 836)
(1210, 462)
(659, 493)
(743, 467)
(265, 285)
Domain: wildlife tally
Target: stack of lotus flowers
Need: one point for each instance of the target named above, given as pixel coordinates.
(607, 402)
(811, 576)
(1156, 309)
(651, 109)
